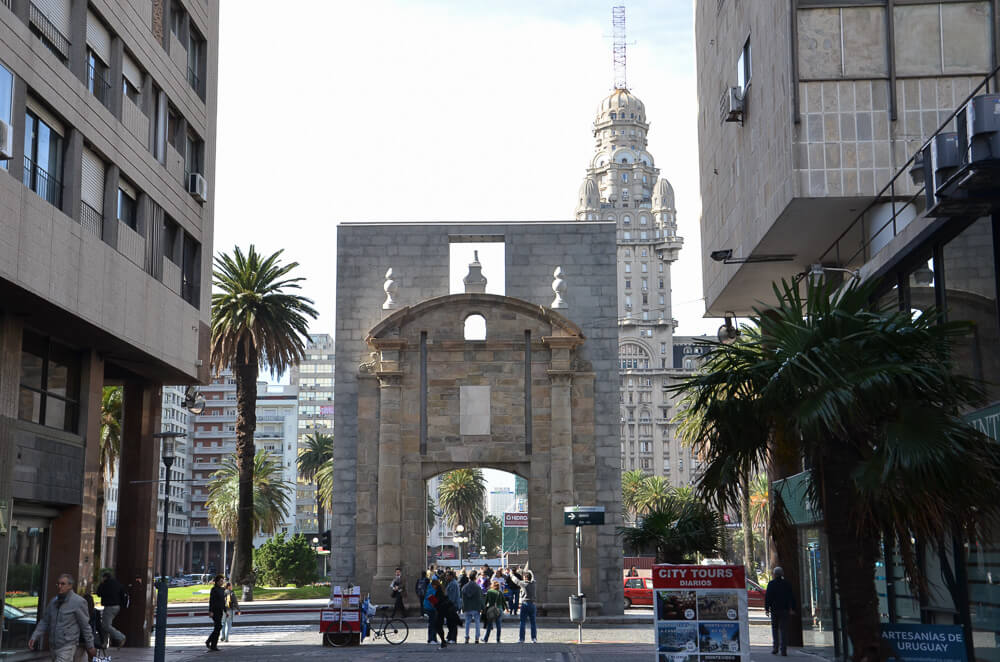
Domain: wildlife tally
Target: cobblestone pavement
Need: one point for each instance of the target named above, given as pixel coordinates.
(558, 644)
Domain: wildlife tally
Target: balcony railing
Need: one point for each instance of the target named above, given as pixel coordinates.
(6, 3)
(44, 183)
(847, 250)
(99, 85)
(50, 35)
(92, 220)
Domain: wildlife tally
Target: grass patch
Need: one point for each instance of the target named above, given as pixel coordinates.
(26, 602)
(191, 594)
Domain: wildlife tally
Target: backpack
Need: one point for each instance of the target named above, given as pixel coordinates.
(124, 599)
(422, 587)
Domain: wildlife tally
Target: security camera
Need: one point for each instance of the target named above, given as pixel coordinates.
(721, 256)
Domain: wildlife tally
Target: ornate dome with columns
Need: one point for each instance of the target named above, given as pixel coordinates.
(623, 104)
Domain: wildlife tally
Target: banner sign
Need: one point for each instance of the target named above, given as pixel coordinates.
(701, 613)
(912, 642)
(515, 519)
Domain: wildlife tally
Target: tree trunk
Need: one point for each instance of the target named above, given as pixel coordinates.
(853, 557)
(246, 369)
(785, 460)
(320, 518)
(751, 567)
(99, 529)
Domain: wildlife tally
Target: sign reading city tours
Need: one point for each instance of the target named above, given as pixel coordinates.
(519, 520)
(583, 515)
(701, 613)
(913, 642)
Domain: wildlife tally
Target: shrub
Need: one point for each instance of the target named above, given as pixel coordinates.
(279, 561)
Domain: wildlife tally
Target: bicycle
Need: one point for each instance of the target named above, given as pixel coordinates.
(394, 630)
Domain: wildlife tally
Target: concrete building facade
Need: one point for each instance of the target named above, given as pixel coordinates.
(806, 165)
(109, 114)
(395, 430)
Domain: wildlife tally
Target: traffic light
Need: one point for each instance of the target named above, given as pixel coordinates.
(324, 540)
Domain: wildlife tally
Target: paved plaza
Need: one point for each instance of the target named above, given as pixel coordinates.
(631, 643)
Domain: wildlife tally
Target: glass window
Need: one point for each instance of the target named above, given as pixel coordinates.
(97, 78)
(743, 67)
(6, 101)
(50, 383)
(43, 159)
(126, 209)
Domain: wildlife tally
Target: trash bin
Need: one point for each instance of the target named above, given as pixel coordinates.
(578, 608)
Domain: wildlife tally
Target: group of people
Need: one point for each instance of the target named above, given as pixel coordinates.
(222, 605)
(481, 597)
(71, 620)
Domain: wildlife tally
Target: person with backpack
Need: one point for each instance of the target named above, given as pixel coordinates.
(472, 604)
(493, 610)
(421, 589)
(232, 608)
(113, 598)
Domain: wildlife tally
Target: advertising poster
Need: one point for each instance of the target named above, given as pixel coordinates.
(700, 613)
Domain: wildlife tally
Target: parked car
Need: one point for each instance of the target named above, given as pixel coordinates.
(755, 595)
(17, 628)
(638, 591)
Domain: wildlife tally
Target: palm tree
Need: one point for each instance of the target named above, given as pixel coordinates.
(462, 495)
(631, 483)
(271, 496)
(431, 512)
(654, 491)
(760, 493)
(678, 529)
(255, 322)
(872, 398)
(324, 485)
(110, 450)
(313, 455)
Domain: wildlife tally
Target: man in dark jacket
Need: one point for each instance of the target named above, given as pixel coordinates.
(216, 607)
(779, 604)
(111, 592)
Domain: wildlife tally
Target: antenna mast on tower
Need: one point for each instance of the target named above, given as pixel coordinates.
(618, 50)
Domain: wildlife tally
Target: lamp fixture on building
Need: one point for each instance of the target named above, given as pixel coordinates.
(728, 332)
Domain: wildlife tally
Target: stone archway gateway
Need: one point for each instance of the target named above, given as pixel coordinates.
(535, 398)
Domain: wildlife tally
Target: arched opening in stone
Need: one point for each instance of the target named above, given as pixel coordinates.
(475, 327)
(477, 516)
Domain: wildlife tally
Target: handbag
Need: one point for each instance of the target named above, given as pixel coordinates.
(492, 613)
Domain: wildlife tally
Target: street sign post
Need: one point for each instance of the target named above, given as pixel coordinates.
(583, 515)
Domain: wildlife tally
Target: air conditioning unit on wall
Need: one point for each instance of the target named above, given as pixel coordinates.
(731, 105)
(198, 187)
(6, 141)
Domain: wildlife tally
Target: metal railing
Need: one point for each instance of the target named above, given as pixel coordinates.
(44, 183)
(99, 85)
(55, 40)
(91, 219)
(7, 4)
(841, 254)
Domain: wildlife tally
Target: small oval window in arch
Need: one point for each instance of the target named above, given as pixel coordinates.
(475, 327)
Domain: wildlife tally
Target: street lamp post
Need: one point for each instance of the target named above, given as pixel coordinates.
(167, 454)
(459, 539)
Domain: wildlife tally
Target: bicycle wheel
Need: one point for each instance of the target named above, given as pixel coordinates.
(338, 638)
(396, 631)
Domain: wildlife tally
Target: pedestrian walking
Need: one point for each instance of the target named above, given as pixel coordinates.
(514, 599)
(527, 598)
(398, 588)
(450, 612)
(420, 588)
(432, 599)
(113, 598)
(779, 604)
(472, 603)
(67, 624)
(217, 608)
(493, 610)
(232, 608)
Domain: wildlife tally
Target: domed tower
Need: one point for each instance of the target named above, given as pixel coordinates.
(622, 184)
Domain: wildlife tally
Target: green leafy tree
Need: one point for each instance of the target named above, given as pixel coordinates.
(492, 534)
(256, 321)
(631, 483)
(271, 496)
(462, 495)
(874, 403)
(431, 512)
(279, 562)
(677, 530)
(314, 454)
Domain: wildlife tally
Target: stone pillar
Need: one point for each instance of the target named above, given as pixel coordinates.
(92, 390)
(10, 377)
(389, 551)
(137, 489)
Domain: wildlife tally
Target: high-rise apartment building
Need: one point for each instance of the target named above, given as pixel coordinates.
(107, 168)
(501, 500)
(624, 185)
(811, 114)
(215, 440)
(314, 378)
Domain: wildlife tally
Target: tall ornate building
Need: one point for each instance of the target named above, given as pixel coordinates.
(623, 185)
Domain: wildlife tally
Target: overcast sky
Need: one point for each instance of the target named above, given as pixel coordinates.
(335, 111)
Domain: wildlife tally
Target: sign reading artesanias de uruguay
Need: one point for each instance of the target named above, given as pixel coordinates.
(913, 642)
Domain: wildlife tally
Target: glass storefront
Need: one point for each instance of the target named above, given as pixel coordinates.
(28, 540)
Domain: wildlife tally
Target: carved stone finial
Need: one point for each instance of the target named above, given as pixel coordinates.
(391, 287)
(559, 287)
(474, 280)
